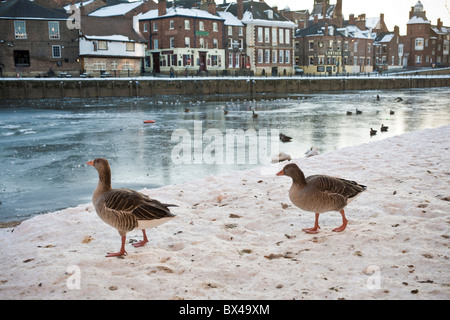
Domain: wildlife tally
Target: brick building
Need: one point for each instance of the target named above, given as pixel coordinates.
(269, 37)
(426, 45)
(35, 40)
(185, 39)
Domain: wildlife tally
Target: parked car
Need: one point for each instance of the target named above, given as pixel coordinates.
(440, 65)
(298, 70)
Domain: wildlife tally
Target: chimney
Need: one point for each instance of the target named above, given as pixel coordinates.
(162, 7)
(240, 9)
(326, 29)
(316, 18)
(324, 9)
(440, 24)
(212, 7)
(396, 30)
(82, 10)
(351, 19)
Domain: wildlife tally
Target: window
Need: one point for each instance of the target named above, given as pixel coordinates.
(321, 60)
(187, 25)
(187, 59)
(330, 45)
(418, 59)
(281, 56)
(215, 43)
(127, 66)
(311, 60)
(130, 46)
(419, 44)
(155, 44)
(20, 29)
(355, 47)
(274, 36)
(230, 60)
(281, 35)
(230, 43)
(260, 34)
(369, 47)
(400, 50)
(274, 56)
(56, 51)
(171, 25)
(287, 36)
(202, 43)
(155, 26)
(267, 56)
(187, 42)
(99, 65)
(260, 55)
(287, 57)
(311, 45)
(201, 25)
(230, 30)
(215, 27)
(346, 46)
(145, 27)
(236, 60)
(53, 30)
(172, 42)
(114, 65)
(21, 58)
(241, 31)
(266, 35)
(102, 45)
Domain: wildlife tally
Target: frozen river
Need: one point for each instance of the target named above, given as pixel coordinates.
(44, 144)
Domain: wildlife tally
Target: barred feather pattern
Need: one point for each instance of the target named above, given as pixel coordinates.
(321, 193)
(124, 208)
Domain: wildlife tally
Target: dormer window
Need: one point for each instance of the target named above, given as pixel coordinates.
(269, 14)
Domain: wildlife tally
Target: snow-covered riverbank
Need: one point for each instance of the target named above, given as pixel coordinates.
(237, 236)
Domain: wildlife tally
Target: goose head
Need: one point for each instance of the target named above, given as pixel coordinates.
(293, 171)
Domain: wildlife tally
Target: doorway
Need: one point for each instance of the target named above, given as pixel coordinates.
(202, 61)
(155, 56)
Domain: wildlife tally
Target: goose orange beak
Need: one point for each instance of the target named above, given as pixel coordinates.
(90, 163)
(281, 173)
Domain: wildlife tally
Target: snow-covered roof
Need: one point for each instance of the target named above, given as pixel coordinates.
(77, 4)
(387, 37)
(115, 37)
(172, 12)
(355, 32)
(442, 30)
(373, 23)
(115, 10)
(230, 19)
(418, 20)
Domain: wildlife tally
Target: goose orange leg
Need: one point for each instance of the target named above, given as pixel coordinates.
(314, 229)
(122, 251)
(344, 222)
(143, 242)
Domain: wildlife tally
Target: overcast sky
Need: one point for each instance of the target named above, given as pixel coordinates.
(396, 12)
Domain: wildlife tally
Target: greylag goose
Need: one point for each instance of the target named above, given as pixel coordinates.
(373, 132)
(320, 193)
(384, 128)
(255, 115)
(358, 111)
(126, 209)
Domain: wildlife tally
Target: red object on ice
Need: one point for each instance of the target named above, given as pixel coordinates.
(149, 121)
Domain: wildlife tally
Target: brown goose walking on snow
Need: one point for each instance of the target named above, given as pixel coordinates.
(320, 193)
(126, 209)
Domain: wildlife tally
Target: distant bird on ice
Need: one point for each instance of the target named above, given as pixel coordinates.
(384, 128)
(285, 138)
(398, 99)
(358, 111)
(320, 194)
(391, 112)
(255, 115)
(313, 151)
(126, 209)
(373, 132)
